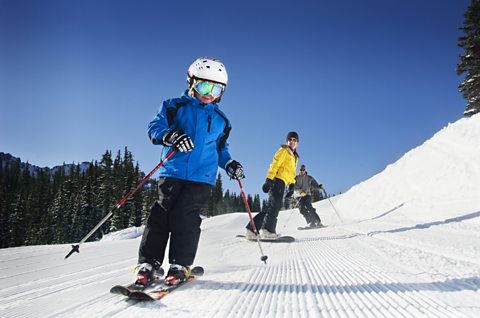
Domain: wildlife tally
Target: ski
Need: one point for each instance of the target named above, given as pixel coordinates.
(154, 291)
(310, 227)
(125, 290)
(160, 290)
(280, 239)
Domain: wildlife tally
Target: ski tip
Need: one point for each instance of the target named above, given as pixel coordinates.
(198, 271)
(120, 290)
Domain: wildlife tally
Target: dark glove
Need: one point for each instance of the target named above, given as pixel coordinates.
(235, 170)
(179, 140)
(320, 186)
(267, 185)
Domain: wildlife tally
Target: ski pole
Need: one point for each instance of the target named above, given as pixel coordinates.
(288, 219)
(291, 213)
(264, 257)
(75, 248)
(336, 212)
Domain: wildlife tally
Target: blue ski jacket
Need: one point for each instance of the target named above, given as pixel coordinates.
(206, 125)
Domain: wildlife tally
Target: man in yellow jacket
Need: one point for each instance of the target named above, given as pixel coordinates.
(282, 172)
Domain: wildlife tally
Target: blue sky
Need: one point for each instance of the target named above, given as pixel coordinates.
(362, 82)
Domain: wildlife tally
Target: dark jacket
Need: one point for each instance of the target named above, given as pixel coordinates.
(306, 184)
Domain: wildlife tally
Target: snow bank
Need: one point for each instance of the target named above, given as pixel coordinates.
(125, 234)
(440, 178)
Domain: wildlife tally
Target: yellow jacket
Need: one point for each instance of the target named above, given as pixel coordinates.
(284, 165)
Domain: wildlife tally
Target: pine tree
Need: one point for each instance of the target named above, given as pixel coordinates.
(10, 181)
(16, 221)
(116, 222)
(54, 229)
(256, 203)
(40, 199)
(216, 197)
(48, 225)
(105, 190)
(86, 217)
(18, 218)
(3, 202)
(138, 199)
(227, 199)
(149, 198)
(470, 59)
(129, 181)
(250, 203)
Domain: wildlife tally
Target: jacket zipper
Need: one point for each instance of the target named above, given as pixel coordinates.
(209, 122)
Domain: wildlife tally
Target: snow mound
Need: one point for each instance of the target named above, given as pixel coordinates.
(440, 178)
(125, 234)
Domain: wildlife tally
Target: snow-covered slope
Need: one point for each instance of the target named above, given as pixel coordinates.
(405, 243)
(428, 182)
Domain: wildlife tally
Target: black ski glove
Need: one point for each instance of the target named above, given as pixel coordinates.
(267, 185)
(179, 140)
(235, 170)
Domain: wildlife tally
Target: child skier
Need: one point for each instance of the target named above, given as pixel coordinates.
(197, 130)
(281, 173)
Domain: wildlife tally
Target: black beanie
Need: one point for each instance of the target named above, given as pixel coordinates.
(292, 134)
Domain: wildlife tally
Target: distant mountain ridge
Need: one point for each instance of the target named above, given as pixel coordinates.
(6, 160)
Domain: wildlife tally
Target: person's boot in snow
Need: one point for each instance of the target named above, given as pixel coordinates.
(250, 235)
(177, 274)
(267, 235)
(145, 274)
(315, 221)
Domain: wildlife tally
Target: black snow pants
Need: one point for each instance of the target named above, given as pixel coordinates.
(268, 219)
(175, 215)
(307, 210)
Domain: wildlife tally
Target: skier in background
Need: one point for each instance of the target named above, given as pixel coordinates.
(304, 186)
(281, 173)
(197, 130)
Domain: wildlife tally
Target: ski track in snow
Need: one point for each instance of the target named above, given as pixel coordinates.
(330, 283)
(316, 276)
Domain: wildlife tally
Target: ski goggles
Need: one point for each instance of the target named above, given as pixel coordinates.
(205, 88)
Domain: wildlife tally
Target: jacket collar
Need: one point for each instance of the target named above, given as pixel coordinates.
(290, 151)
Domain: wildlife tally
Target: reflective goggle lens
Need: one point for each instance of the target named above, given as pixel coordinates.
(205, 88)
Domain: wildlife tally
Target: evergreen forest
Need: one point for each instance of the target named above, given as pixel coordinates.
(61, 205)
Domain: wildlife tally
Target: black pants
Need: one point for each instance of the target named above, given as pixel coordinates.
(307, 210)
(176, 215)
(268, 219)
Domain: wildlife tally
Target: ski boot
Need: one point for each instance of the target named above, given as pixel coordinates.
(177, 274)
(315, 224)
(267, 235)
(250, 235)
(145, 274)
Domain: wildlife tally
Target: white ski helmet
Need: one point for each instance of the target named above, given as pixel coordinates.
(209, 69)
